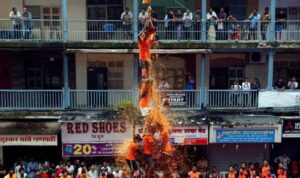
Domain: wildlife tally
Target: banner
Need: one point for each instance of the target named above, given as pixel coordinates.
(28, 140)
(245, 135)
(186, 135)
(278, 99)
(176, 99)
(96, 132)
(291, 128)
(89, 149)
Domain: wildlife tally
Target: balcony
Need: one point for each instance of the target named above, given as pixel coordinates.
(288, 100)
(172, 31)
(89, 99)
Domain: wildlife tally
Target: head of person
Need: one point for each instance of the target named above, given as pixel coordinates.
(255, 12)
(280, 165)
(137, 138)
(22, 171)
(179, 11)
(25, 9)
(293, 79)
(14, 9)
(281, 11)
(243, 164)
(254, 174)
(92, 167)
(266, 9)
(143, 10)
(246, 79)
(83, 172)
(252, 166)
(64, 173)
(210, 175)
(280, 80)
(198, 10)
(221, 9)
(211, 10)
(11, 171)
(188, 11)
(231, 169)
(170, 11)
(266, 163)
(69, 163)
(241, 171)
(194, 169)
(126, 9)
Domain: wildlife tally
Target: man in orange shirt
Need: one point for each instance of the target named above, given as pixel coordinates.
(164, 137)
(242, 174)
(132, 149)
(194, 173)
(148, 142)
(145, 41)
(281, 168)
(265, 169)
(231, 173)
(281, 173)
(145, 97)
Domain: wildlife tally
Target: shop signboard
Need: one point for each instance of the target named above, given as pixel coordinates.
(249, 135)
(28, 140)
(96, 132)
(89, 149)
(291, 128)
(176, 98)
(186, 135)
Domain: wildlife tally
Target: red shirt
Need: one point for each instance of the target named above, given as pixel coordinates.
(132, 148)
(144, 48)
(148, 144)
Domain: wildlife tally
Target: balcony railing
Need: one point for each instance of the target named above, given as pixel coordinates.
(232, 99)
(115, 30)
(89, 99)
(31, 99)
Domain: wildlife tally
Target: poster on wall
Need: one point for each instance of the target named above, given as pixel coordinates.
(186, 135)
(28, 140)
(175, 98)
(245, 135)
(291, 128)
(89, 149)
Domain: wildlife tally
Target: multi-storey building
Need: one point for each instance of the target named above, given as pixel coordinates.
(76, 60)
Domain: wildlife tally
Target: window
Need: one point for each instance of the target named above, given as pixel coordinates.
(104, 9)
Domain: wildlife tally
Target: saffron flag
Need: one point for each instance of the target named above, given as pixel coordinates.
(146, 1)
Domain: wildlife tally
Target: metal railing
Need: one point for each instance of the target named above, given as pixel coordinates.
(112, 30)
(31, 99)
(35, 29)
(232, 99)
(98, 99)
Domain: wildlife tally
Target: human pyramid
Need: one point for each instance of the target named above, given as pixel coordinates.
(145, 151)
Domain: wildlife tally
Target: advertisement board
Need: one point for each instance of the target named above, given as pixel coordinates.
(89, 149)
(291, 128)
(28, 140)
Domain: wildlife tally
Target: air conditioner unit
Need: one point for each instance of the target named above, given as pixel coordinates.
(257, 58)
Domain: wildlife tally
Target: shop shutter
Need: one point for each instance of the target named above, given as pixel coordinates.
(222, 156)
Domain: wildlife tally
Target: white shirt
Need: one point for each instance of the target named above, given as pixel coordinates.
(17, 168)
(70, 169)
(188, 19)
(293, 84)
(209, 16)
(285, 160)
(246, 86)
(126, 18)
(19, 176)
(164, 86)
(143, 17)
(108, 169)
(16, 18)
(93, 174)
(236, 87)
(117, 175)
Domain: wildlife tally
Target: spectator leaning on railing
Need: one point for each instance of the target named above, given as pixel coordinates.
(221, 24)
(266, 17)
(26, 17)
(280, 24)
(280, 84)
(15, 16)
(126, 18)
(169, 24)
(188, 24)
(293, 84)
(197, 24)
(143, 15)
(254, 18)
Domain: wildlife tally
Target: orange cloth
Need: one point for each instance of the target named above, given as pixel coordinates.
(264, 171)
(281, 176)
(144, 48)
(146, 94)
(165, 135)
(148, 144)
(194, 174)
(132, 148)
(242, 175)
(278, 172)
(231, 175)
(268, 176)
(146, 1)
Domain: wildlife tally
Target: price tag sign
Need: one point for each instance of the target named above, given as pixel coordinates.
(89, 149)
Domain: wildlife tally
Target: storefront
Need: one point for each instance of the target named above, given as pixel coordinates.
(234, 145)
(290, 139)
(30, 139)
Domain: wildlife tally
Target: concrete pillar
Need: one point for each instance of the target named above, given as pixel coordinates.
(203, 81)
(203, 23)
(270, 69)
(66, 89)
(135, 77)
(65, 19)
(272, 26)
(1, 155)
(135, 20)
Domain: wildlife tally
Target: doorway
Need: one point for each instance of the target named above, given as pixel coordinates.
(97, 80)
(5, 71)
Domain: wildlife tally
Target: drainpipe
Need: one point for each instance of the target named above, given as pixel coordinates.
(203, 23)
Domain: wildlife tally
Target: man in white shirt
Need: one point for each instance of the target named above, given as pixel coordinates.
(188, 22)
(117, 173)
(70, 168)
(126, 18)
(293, 84)
(15, 17)
(143, 17)
(211, 14)
(246, 85)
(92, 172)
(22, 173)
